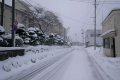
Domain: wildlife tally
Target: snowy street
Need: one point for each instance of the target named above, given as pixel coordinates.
(60, 63)
(79, 68)
(59, 39)
(76, 67)
(55, 63)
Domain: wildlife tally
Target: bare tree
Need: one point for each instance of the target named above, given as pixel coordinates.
(44, 19)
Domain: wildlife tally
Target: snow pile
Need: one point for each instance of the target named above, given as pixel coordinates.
(108, 67)
(33, 56)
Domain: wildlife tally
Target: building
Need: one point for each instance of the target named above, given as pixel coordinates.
(89, 38)
(77, 44)
(20, 14)
(111, 34)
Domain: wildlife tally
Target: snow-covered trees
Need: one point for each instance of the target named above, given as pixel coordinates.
(31, 36)
(42, 30)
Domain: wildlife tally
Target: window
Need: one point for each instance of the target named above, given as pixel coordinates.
(106, 43)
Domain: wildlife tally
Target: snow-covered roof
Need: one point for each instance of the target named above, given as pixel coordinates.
(2, 29)
(107, 32)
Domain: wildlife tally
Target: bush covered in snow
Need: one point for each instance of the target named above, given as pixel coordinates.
(31, 36)
(2, 30)
(18, 40)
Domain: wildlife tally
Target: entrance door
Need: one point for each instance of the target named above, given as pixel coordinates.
(113, 47)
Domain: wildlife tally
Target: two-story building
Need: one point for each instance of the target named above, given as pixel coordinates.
(89, 38)
(111, 34)
(20, 14)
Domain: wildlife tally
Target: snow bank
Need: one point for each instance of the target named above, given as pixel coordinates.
(33, 55)
(108, 67)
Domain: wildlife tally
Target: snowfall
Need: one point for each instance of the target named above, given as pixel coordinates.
(60, 63)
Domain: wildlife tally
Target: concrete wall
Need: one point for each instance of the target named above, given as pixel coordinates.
(117, 28)
(107, 52)
(108, 23)
(20, 16)
(7, 19)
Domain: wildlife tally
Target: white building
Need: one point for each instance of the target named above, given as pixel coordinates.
(89, 38)
(111, 34)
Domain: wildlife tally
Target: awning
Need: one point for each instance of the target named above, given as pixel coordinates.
(109, 33)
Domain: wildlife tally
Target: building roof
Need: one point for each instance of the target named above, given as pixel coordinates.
(110, 14)
(109, 32)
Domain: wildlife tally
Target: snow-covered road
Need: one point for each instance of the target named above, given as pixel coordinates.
(77, 67)
(55, 63)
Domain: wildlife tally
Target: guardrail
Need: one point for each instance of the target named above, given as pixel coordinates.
(6, 53)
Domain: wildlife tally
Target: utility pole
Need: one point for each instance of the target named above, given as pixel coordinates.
(2, 12)
(64, 34)
(13, 23)
(95, 5)
(82, 36)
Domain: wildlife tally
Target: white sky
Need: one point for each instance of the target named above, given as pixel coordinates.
(77, 15)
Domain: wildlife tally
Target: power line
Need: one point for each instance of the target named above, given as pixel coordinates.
(84, 1)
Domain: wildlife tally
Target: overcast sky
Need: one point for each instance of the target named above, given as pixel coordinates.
(78, 14)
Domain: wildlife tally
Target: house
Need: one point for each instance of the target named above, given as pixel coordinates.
(20, 14)
(77, 44)
(111, 34)
(89, 38)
